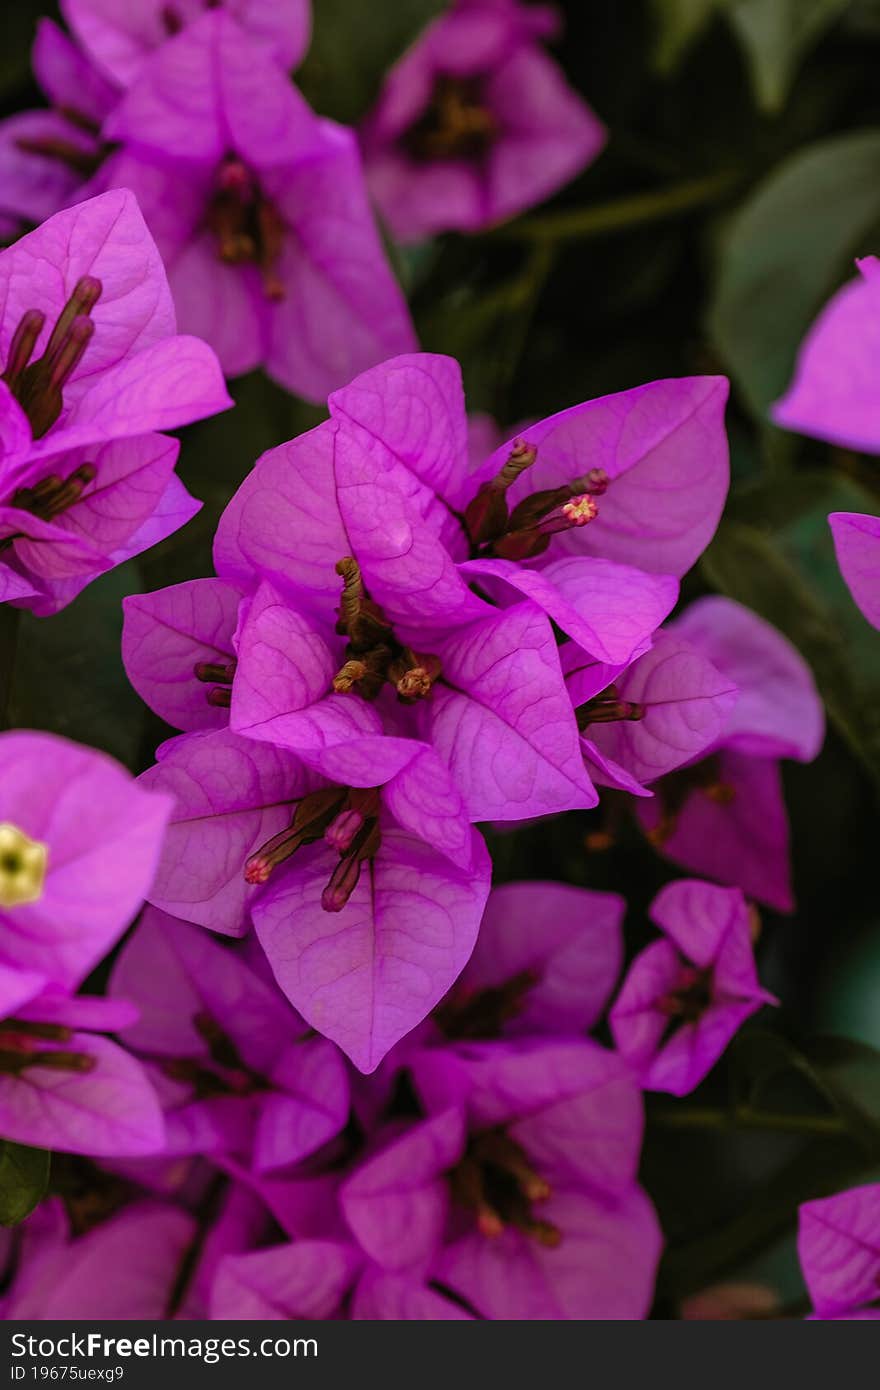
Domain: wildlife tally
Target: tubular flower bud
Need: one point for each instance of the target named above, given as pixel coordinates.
(38, 386)
(486, 516)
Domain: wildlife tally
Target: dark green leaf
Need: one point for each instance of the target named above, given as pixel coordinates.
(678, 24)
(353, 46)
(24, 1177)
(776, 35)
(785, 251)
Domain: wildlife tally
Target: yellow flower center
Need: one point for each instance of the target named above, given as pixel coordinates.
(22, 867)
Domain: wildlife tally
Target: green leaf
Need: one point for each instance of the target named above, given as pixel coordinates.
(69, 678)
(787, 248)
(753, 567)
(679, 23)
(24, 1177)
(353, 46)
(776, 35)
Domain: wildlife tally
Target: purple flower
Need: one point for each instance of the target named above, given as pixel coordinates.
(476, 123)
(62, 1086)
(724, 816)
(477, 677)
(260, 211)
(119, 38)
(685, 997)
(364, 879)
(839, 1248)
(518, 1194)
(79, 846)
(857, 542)
(230, 1059)
(92, 367)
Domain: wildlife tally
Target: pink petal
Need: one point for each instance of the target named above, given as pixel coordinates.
(306, 1280)
(779, 713)
(163, 387)
(839, 1249)
(309, 1107)
(687, 705)
(105, 237)
(857, 542)
(608, 609)
(342, 311)
(166, 634)
(175, 972)
(743, 842)
(414, 406)
(96, 1278)
(381, 1297)
(67, 77)
(834, 392)
(503, 722)
(104, 834)
(209, 89)
(367, 975)
(232, 795)
(397, 1202)
(109, 1111)
(33, 187)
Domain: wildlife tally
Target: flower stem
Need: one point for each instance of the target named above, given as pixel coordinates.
(622, 213)
(744, 1117)
(9, 625)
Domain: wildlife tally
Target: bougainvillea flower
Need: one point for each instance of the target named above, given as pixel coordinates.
(92, 367)
(857, 543)
(639, 477)
(839, 1248)
(476, 675)
(518, 1194)
(546, 960)
(238, 1072)
(661, 712)
(62, 1086)
(47, 155)
(364, 878)
(686, 996)
(260, 211)
(834, 393)
(179, 652)
(724, 816)
(119, 38)
(125, 1268)
(79, 846)
(475, 124)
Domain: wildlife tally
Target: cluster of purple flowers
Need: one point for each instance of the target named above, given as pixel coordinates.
(347, 1078)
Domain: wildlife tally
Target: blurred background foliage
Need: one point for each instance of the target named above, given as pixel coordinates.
(741, 177)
